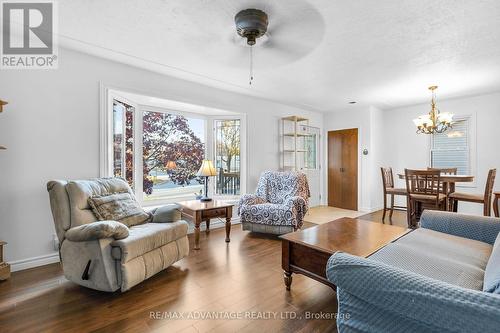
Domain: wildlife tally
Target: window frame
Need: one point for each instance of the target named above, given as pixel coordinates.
(149, 108)
(243, 152)
(471, 147)
(106, 136)
(124, 146)
(108, 94)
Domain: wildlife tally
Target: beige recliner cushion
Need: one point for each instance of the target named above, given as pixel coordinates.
(79, 191)
(121, 207)
(147, 237)
(97, 230)
(59, 204)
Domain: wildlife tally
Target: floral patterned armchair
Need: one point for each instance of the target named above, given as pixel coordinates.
(279, 204)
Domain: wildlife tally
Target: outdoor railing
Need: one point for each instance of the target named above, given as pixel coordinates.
(228, 183)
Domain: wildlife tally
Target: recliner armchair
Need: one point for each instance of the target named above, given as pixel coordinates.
(107, 255)
(279, 204)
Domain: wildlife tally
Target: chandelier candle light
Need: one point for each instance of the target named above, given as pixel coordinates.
(435, 121)
(206, 170)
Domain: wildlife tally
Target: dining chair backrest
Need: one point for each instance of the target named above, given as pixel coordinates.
(426, 182)
(387, 178)
(488, 191)
(446, 171)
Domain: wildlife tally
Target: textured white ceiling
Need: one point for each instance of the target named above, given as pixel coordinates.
(319, 54)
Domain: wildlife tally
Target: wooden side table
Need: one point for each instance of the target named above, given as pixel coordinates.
(198, 211)
(4, 267)
(496, 197)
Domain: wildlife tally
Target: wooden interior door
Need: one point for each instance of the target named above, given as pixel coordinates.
(343, 169)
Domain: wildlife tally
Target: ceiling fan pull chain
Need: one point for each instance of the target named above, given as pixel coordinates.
(251, 24)
(251, 65)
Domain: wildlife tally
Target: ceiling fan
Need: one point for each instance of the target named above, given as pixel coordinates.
(284, 39)
(251, 24)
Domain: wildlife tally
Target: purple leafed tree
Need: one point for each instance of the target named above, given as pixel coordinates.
(168, 137)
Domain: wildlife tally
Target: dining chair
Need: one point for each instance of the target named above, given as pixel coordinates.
(424, 192)
(447, 188)
(496, 199)
(389, 189)
(484, 199)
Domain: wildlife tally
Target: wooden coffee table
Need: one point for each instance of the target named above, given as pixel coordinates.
(197, 211)
(307, 251)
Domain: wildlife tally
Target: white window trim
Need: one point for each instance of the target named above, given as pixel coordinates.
(472, 133)
(108, 94)
(138, 140)
(106, 136)
(243, 152)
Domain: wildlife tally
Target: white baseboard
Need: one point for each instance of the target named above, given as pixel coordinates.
(23, 264)
(27, 263)
(370, 209)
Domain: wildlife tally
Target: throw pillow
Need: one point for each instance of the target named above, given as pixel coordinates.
(121, 207)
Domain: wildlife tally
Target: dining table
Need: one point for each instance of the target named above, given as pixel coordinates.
(449, 179)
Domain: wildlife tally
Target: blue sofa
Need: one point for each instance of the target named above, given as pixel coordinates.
(442, 277)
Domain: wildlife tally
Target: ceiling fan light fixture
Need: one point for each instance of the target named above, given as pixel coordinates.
(251, 24)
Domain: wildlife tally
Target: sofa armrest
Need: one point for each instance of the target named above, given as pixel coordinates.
(97, 230)
(167, 214)
(374, 296)
(481, 228)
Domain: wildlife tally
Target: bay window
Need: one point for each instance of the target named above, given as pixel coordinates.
(173, 147)
(123, 141)
(159, 150)
(227, 156)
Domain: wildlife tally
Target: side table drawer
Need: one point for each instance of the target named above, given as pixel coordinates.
(217, 212)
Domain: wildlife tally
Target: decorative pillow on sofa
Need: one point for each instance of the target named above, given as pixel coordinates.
(121, 207)
(491, 282)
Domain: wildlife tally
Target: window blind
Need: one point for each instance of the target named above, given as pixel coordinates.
(451, 149)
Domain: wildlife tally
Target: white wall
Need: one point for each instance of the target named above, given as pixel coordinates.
(368, 122)
(377, 155)
(51, 129)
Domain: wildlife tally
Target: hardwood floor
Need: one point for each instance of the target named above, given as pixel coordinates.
(398, 218)
(325, 214)
(242, 277)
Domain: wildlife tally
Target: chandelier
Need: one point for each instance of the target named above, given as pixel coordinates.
(435, 121)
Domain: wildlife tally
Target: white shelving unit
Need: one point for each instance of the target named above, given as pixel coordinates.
(292, 142)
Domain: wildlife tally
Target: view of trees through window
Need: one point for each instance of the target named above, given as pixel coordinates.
(173, 150)
(227, 156)
(123, 141)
